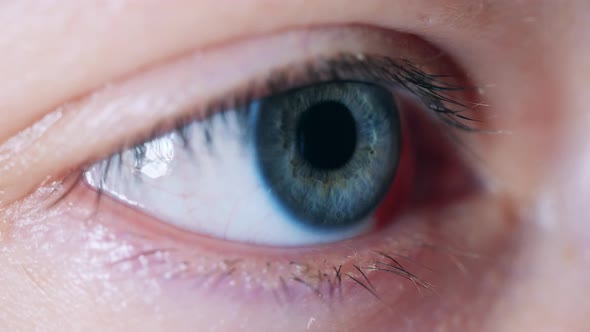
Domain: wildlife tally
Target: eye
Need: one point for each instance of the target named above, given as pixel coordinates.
(305, 166)
(315, 161)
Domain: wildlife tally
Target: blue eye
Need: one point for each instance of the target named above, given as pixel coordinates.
(328, 152)
(314, 161)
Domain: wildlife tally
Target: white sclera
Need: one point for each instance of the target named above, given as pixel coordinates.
(213, 189)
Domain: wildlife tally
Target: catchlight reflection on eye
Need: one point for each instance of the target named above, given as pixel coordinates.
(303, 167)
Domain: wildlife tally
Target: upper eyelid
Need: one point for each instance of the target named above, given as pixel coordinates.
(42, 36)
(164, 93)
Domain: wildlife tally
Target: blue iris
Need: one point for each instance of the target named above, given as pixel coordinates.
(328, 152)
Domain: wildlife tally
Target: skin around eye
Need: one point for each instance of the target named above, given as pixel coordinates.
(386, 269)
(398, 263)
(512, 259)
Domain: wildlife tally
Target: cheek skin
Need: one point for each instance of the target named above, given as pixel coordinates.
(70, 257)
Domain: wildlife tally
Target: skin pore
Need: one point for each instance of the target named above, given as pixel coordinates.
(65, 65)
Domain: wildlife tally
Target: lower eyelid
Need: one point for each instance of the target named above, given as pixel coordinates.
(428, 246)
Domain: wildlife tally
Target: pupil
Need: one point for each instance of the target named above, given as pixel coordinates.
(326, 135)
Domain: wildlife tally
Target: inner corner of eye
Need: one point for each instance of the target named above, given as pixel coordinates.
(317, 164)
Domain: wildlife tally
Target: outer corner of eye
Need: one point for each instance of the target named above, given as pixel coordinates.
(321, 163)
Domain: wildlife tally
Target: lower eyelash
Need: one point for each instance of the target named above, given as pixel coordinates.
(287, 281)
(332, 281)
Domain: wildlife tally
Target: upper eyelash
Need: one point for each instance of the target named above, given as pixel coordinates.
(433, 90)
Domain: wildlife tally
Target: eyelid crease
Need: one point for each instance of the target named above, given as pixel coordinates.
(89, 128)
